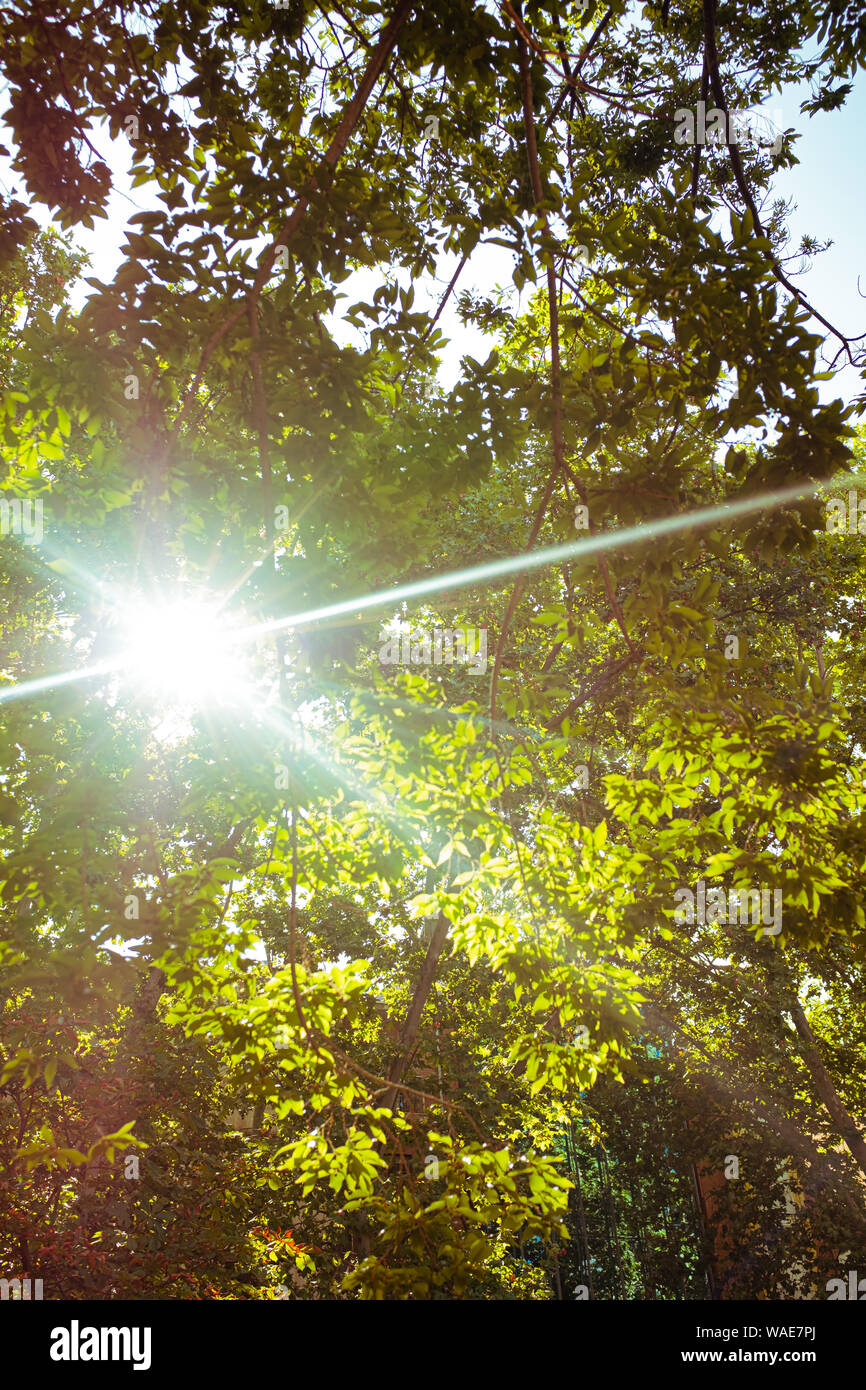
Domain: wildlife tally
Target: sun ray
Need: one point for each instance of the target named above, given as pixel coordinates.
(606, 541)
(35, 687)
(573, 551)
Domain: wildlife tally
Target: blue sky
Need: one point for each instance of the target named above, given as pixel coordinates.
(828, 189)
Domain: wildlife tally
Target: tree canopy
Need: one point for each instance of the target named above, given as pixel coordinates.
(338, 965)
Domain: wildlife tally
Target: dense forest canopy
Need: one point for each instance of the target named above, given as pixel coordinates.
(433, 817)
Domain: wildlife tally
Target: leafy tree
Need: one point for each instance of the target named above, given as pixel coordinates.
(370, 983)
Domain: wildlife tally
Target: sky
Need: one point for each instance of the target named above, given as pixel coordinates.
(827, 187)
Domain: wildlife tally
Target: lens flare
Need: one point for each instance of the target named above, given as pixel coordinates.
(182, 652)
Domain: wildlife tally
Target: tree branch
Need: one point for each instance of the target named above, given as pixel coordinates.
(711, 57)
(555, 368)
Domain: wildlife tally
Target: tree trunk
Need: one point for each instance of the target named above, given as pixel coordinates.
(409, 1030)
(830, 1098)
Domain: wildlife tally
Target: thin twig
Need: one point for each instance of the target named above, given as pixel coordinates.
(555, 368)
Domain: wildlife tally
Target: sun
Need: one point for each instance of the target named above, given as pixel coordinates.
(184, 652)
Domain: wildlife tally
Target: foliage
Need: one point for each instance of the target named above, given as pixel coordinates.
(384, 997)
